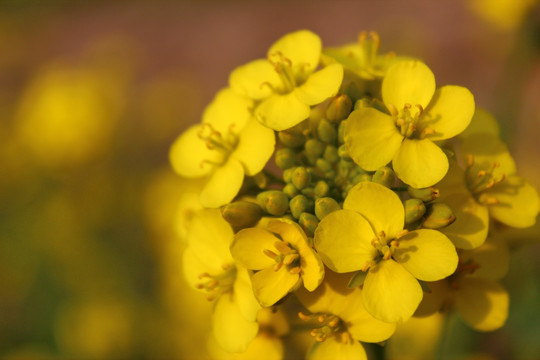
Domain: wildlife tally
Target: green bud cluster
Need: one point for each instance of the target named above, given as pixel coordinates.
(421, 210)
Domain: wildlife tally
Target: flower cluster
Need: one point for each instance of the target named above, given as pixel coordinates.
(387, 199)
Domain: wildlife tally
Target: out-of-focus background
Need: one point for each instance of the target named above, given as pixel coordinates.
(92, 94)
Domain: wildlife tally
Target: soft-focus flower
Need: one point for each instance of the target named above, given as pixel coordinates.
(209, 267)
(419, 115)
(474, 290)
(222, 148)
(506, 14)
(340, 320)
(488, 187)
(282, 257)
(368, 235)
(286, 83)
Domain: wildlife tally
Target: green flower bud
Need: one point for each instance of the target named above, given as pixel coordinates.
(341, 132)
(326, 132)
(360, 177)
(309, 223)
(287, 175)
(241, 214)
(330, 175)
(292, 137)
(309, 192)
(384, 176)
(323, 165)
(353, 90)
(325, 206)
(300, 204)
(362, 103)
(300, 177)
(331, 154)
(344, 167)
(261, 180)
(438, 215)
(285, 158)
(414, 210)
(357, 280)
(339, 108)
(425, 194)
(314, 148)
(290, 190)
(343, 153)
(274, 202)
(321, 189)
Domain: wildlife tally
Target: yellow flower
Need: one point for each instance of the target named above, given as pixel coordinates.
(487, 188)
(419, 115)
(368, 235)
(222, 148)
(282, 258)
(286, 83)
(474, 290)
(506, 14)
(340, 320)
(209, 267)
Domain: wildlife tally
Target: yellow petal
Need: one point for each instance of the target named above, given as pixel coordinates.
(427, 254)
(329, 297)
(482, 303)
(493, 257)
(333, 348)
(302, 48)
(228, 111)
(408, 82)
(343, 240)
(223, 185)
(434, 300)
(379, 205)
(189, 154)
(372, 138)
(310, 262)
(482, 122)
(518, 202)
(252, 79)
(231, 330)
(192, 267)
(420, 163)
(470, 228)
(271, 286)
(486, 150)
(243, 293)
(280, 112)
(249, 245)
(453, 182)
(209, 238)
(320, 85)
(254, 136)
(449, 112)
(391, 293)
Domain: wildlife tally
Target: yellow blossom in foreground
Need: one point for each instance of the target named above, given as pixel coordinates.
(419, 115)
(368, 235)
(286, 83)
(209, 267)
(221, 148)
(340, 320)
(282, 257)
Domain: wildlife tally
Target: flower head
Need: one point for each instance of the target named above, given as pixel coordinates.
(418, 115)
(286, 83)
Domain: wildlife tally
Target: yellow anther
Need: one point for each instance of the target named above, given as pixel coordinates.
(320, 319)
(470, 160)
(283, 248)
(270, 254)
(402, 233)
(393, 110)
(420, 109)
(303, 316)
(295, 270)
(278, 266)
(288, 260)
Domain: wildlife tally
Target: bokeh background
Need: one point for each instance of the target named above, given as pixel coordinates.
(92, 94)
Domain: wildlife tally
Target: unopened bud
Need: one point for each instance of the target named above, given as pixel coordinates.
(314, 148)
(339, 108)
(343, 152)
(321, 189)
(300, 177)
(308, 191)
(325, 206)
(241, 214)
(285, 158)
(287, 175)
(323, 165)
(274, 202)
(326, 132)
(360, 177)
(300, 204)
(330, 154)
(292, 137)
(357, 280)
(438, 215)
(425, 194)
(384, 176)
(341, 132)
(309, 223)
(290, 190)
(414, 210)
